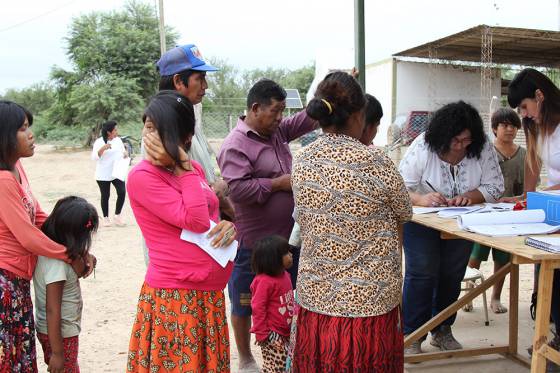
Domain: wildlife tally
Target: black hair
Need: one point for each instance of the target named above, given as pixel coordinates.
(72, 224)
(374, 111)
(264, 91)
(166, 81)
(337, 97)
(268, 254)
(505, 115)
(449, 121)
(107, 127)
(12, 117)
(524, 85)
(173, 116)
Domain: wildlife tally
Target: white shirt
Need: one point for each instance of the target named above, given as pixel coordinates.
(420, 165)
(50, 270)
(550, 156)
(105, 163)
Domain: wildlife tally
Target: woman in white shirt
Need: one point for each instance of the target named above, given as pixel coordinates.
(537, 99)
(107, 150)
(452, 164)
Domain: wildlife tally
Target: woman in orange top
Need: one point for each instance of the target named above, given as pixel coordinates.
(21, 240)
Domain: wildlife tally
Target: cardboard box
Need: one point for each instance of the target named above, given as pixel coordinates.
(549, 201)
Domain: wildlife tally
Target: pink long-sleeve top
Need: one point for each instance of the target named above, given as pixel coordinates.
(164, 205)
(21, 218)
(272, 302)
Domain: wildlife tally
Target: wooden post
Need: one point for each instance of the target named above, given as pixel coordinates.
(513, 308)
(538, 361)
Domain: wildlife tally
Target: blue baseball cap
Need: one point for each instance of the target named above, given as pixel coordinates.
(181, 58)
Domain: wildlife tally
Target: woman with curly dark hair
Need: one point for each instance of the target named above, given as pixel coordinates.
(452, 164)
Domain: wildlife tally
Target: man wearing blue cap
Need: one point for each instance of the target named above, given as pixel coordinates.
(183, 69)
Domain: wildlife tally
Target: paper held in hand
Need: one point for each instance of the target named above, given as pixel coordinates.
(222, 255)
(510, 223)
(120, 168)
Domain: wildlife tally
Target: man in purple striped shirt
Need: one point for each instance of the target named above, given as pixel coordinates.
(256, 162)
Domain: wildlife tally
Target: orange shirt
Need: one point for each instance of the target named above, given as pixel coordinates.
(21, 218)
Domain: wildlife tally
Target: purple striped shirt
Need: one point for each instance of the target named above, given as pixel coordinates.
(248, 162)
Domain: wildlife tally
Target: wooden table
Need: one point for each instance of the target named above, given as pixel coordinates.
(520, 254)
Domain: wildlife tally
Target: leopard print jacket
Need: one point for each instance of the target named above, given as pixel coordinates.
(349, 202)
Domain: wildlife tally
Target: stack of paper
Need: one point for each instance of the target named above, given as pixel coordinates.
(454, 211)
(222, 255)
(550, 244)
(510, 223)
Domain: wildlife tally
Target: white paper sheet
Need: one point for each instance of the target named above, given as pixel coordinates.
(513, 229)
(510, 223)
(452, 212)
(426, 210)
(500, 218)
(222, 255)
(120, 168)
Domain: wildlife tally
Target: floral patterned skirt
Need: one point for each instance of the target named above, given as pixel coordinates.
(179, 330)
(17, 329)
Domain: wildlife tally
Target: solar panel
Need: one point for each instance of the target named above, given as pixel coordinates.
(293, 101)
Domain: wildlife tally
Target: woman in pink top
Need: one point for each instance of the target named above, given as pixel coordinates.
(272, 300)
(21, 240)
(181, 320)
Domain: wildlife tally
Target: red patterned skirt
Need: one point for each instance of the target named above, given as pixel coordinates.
(344, 344)
(70, 345)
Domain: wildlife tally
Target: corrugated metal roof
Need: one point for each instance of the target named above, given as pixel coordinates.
(514, 46)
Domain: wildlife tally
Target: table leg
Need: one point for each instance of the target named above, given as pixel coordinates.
(513, 308)
(542, 321)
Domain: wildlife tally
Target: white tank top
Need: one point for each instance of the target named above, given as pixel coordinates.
(550, 155)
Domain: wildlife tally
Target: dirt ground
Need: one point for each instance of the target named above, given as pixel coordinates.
(110, 298)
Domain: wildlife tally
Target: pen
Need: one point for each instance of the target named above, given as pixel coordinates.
(431, 186)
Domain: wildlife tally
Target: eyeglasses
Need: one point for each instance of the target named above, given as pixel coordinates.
(462, 141)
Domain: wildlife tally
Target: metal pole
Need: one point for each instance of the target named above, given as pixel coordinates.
(162, 42)
(359, 42)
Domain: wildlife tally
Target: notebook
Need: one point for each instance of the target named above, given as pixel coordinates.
(550, 244)
(508, 223)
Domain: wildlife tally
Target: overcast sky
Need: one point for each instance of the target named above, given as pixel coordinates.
(261, 33)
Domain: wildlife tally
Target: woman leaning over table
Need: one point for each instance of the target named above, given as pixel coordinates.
(537, 99)
(453, 163)
(181, 322)
(350, 201)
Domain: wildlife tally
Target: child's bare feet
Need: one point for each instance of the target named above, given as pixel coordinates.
(497, 306)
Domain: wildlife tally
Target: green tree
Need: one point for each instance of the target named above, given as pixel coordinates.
(36, 98)
(112, 97)
(113, 55)
(122, 43)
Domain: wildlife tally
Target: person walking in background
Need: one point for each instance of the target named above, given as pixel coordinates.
(58, 298)
(107, 151)
(350, 202)
(505, 124)
(21, 241)
(452, 164)
(183, 284)
(272, 300)
(537, 99)
(256, 163)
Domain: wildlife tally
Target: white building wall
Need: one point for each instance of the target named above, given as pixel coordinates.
(379, 83)
(423, 86)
